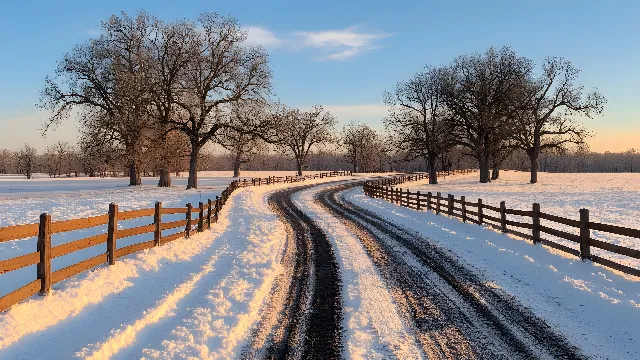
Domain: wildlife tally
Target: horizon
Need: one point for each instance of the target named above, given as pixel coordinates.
(343, 56)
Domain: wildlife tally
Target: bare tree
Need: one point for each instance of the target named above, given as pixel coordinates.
(107, 80)
(363, 147)
(26, 160)
(419, 120)
(479, 91)
(6, 161)
(223, 71)
(544, 115)
(299, 131)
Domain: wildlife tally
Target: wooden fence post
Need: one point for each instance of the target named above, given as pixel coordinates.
(112, 228)
(585, 234)
(44, 247)
(418, 200)
(503, 216)
(217, 208)
(157, 220)
(536, 223)
(201, 217)
(450, 204)
(208, 213)
(464, 208)
(480, 214)
(438, 196)
(187, 230)
(429, 200)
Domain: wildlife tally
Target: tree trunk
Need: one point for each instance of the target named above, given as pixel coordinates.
(495, 173)
(355, 167)
(192, 183)
(433, 173)
(165, 177)
(534, 168)
(236, 166)
(299, 166)
(134, 174)
(483, 162)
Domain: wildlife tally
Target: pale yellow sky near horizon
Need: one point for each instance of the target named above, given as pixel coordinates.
(17, 129)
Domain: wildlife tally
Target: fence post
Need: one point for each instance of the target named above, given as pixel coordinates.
(208, 213)
(217, 208)
(112, 228)
(536, 223)
(187, 230)
(450, 205)
(157, 220)
(585, 234)
(480, 215)
(201, 217)
(503, 216)
(429, 200)
(399, 196)
(464, 208)
(418, 200)
(44, 247)
(438, 196)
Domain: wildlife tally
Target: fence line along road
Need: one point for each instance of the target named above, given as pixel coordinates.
(207, 214)
(497, 219)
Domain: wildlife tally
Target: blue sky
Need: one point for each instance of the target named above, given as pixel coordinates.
(344, 54)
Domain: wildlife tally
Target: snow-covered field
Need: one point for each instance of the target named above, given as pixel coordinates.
(610, 198)
(598, 309)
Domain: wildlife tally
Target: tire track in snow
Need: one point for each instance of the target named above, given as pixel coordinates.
(304, 320)
(456, 314)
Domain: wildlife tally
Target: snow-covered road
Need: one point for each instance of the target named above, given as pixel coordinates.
(409, 284)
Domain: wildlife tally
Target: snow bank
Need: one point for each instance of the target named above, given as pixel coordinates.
(598, 309)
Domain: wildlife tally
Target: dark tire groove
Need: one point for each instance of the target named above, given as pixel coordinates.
(517, 332)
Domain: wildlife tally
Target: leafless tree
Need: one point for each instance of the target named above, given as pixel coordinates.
(419, 120)
(26, 160)
(479, 91)
(364, 148)
(107, 80)
(6, 161)
(546, 109)
(58, 159)
(299, 131)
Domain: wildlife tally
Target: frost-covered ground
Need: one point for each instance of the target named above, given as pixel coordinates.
(597, 309)
(610, 198)
(192, 298)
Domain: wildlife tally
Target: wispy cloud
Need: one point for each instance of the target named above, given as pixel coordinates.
(332, 44)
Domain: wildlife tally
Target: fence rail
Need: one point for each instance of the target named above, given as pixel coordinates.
(497, 219)
(196, 219)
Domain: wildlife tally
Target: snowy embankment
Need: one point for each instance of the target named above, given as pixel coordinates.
(597, 309)
(375, 329)
(191, 298)
(610, 198)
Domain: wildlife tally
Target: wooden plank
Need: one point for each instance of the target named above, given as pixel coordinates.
(561, 220)
(76, 245)
(14, 232)
(561, 234)
(75, 269)
(487, 217)
(77, 224)
(614, 265)
(112, 229)
(472, 204)
(560, 247)
(519, 212)
(19, 262)
(519, 224)
(605, 246)
(173, 224)
(133, 214)
(44, 248)
(176, 236)
(173, 210)
(520, 234)
(473, 213)
(123, 233)
(19, 294)
(492, 208)
(134, 248)
(614, 229)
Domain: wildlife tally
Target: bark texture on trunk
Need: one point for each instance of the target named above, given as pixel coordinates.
(192, 183)
(299, 166)
(433, 173)
(165, 178)
(236, 166)
(484, 169)
(134, 175)
(534, 169)
(495, 173)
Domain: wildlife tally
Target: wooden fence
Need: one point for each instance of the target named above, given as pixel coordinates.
(292, 179)
(207, 214)
(496, 217)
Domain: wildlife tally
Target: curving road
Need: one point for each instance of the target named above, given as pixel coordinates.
(454, 314)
